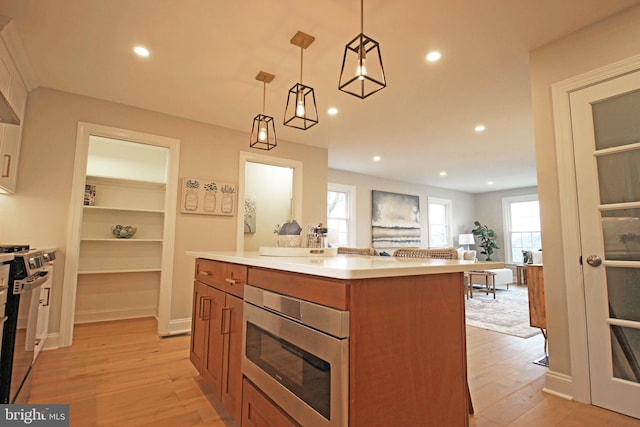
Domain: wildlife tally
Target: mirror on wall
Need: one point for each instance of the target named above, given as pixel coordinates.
(268, 196)
(270, 191)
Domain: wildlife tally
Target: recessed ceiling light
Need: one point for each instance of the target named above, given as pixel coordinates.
(479, 128)
(332, 111)
(434, 56)
(141, 51)
(443, 173)
(376, 158)
(490, 182)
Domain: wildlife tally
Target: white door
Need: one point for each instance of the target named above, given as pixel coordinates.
(606, 132)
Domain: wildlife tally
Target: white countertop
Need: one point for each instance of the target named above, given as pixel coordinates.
(6, 257)
(348, 266)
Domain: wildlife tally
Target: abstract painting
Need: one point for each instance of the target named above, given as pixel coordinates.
(395, 220)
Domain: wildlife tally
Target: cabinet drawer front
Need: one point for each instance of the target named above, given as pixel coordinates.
(211, 273)
(330, 292)
(235, 278)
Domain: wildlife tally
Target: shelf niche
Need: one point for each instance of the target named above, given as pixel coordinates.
(120, 278)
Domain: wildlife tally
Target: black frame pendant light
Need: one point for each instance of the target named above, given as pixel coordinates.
(263, 131)
(362, 73)
(301, 111)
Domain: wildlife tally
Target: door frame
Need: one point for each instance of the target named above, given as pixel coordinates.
(69, 287)
(579, 385)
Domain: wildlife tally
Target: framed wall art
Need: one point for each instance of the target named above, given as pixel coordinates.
(395, 220)
(208, 197)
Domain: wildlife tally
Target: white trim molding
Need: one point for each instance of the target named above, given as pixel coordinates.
(179, 326)
(560, 92)
(351, 191)
(559, 385)
(68, 304)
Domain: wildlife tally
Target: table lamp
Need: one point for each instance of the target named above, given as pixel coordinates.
(466, 239)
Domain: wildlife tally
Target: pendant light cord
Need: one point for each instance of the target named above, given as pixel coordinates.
(362, 16)
(264, 96)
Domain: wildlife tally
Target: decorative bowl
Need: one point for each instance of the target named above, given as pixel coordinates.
(123, 231)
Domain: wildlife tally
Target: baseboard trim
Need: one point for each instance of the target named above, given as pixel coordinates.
(559, 385)
(179, 327)
(52, 342)
(105, 316)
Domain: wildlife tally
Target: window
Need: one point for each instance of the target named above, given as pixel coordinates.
(439, 223)
(341, 215)
(522, 226)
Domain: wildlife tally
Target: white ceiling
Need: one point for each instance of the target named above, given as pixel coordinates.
(205, 55)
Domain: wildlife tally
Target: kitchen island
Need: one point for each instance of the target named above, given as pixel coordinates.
(406, 334)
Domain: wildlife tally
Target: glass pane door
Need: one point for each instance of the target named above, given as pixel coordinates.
(606, 126)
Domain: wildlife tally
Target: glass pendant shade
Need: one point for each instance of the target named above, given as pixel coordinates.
(263, 133)
(362, 73)
(301, 111)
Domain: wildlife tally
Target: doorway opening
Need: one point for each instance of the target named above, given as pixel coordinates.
(127, 179)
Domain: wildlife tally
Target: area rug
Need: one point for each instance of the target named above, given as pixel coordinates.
(507, 314)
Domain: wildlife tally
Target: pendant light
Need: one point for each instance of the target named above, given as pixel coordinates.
(362, 73)
(301, 111)
(263, 131)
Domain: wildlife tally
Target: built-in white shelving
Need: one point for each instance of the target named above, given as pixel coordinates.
(126, 202)
(120, 278)
(133, 270)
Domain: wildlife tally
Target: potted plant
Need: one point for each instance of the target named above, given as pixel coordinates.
(487, 239)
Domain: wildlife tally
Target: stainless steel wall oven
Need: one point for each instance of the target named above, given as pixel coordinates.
(297, 352)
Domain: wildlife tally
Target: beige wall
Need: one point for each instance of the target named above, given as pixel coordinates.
(37, 214)
(598, 45)
(463, 203)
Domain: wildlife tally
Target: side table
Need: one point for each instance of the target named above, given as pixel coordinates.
(489, 281)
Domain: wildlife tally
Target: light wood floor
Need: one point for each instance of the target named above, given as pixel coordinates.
(121, 374)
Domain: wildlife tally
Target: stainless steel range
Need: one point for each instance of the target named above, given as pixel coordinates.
(28, 272)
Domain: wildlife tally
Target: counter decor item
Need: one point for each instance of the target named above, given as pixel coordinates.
(123, 231)
(289, 234)
(317, 236)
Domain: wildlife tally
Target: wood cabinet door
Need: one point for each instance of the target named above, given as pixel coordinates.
(212, 364)
(259, 411)
(232, 358)
(199, 326)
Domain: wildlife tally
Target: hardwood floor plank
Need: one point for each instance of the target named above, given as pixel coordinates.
(121, 373)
